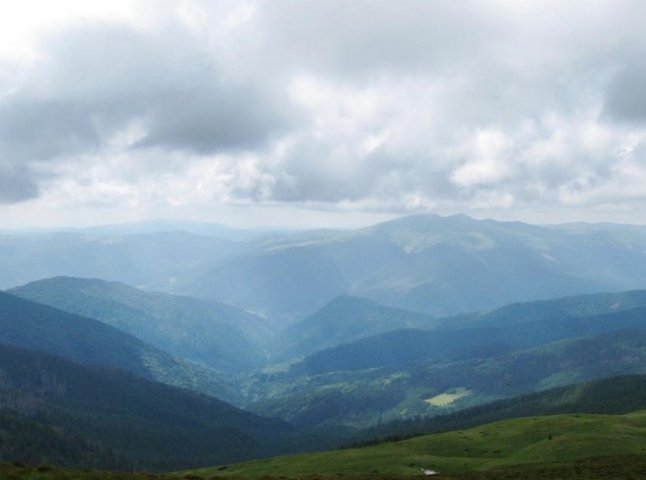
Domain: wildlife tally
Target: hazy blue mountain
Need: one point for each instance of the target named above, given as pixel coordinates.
(175, 225)
(484, 334)
(359, 398)
(426, 263)
(391, 374)
(90, 342)
(344, 320)
(437, 265)
(74, 415)
(556, 310)
(205, 331)
(135, 259)
(399, 349)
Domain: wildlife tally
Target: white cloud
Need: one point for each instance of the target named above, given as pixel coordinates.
(488, 160)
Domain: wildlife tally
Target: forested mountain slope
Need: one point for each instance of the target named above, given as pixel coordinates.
(87, 341)
(56, 411)
(205, 331)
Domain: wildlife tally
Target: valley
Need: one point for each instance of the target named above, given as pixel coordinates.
(322, 240)
(351, 372)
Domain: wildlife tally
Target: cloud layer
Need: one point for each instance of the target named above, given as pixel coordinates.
(365, 106)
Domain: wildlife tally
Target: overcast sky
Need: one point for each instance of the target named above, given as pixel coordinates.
(327, 112)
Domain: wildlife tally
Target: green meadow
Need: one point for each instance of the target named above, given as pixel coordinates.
(563, 447)
(550, 441)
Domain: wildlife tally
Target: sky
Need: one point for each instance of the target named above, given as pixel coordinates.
(321, 113)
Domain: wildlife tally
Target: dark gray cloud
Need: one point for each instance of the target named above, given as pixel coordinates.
(626, 94)
(16, 184)
(169, 81)
(97, 82)
(37, 129)
(217, 118)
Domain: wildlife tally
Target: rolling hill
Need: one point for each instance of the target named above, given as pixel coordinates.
(357, 399)
(490, 355)
(561, 310)
(213, 334)
(89, 342)
(485, 334)
(612, 395)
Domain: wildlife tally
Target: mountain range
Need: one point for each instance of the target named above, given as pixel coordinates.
(119, 351)
(354, 362)
(426, 263)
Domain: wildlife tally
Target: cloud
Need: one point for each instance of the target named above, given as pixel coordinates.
(369, 105)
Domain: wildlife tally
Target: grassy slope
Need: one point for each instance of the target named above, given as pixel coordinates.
(614, 395)
(559, 439)
(602, 468)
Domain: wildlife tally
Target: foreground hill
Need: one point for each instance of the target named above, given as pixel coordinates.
(89, 342)
(620, 467)
(559, 439)
(55, 411)
(208, 332)
(436, 265)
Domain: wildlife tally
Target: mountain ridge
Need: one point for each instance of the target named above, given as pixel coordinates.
(216, 335)
(87, 341)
